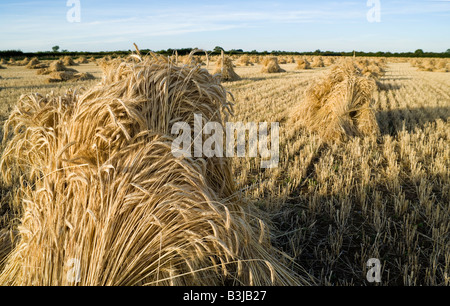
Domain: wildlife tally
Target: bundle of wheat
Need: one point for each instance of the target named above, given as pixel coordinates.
(338, 106)
(82, 60)
(3, 62)
(444, 68)
(416, 63)
(204, 59)
(22, 154)
(265, 60)
(328, 61)
(224, 68)
(282, 61)
(270, 65)
(33, 62)
(440, 64)
(58, 72)
(244, 60)
(303, 64)
(256, 59)
(36, 64)
(83, 76)
(373, 71)
(371, 68)
(432, 65)
(68, 61)
(121, 77)
(60, 76)
(7, 238)
(23, 62)
(192, 60)
(142, 218)
(12, 62)
(317, 62)
(291, 60)
(426, 65)
(108, 195)
(64, 76)
(54, 67)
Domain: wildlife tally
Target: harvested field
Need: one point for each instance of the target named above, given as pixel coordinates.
(330, 206)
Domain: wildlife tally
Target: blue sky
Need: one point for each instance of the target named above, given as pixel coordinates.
(288, 25)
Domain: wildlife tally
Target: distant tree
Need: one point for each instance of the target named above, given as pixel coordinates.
(448, 51)
(64, 51)
(218, 49)
(419, 52)
(55, 48)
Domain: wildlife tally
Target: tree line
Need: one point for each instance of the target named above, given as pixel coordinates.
(55, 53)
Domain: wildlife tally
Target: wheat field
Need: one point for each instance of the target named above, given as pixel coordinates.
(331, 206)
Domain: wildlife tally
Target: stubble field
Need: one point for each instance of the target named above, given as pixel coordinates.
(333, 206)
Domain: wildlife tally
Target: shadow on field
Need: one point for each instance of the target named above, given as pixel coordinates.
(394, 78)
(388, 86)
(333, 234)
(335, 248)
(267, 76)
(42, 87)
(12, 78)
(391, 122)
